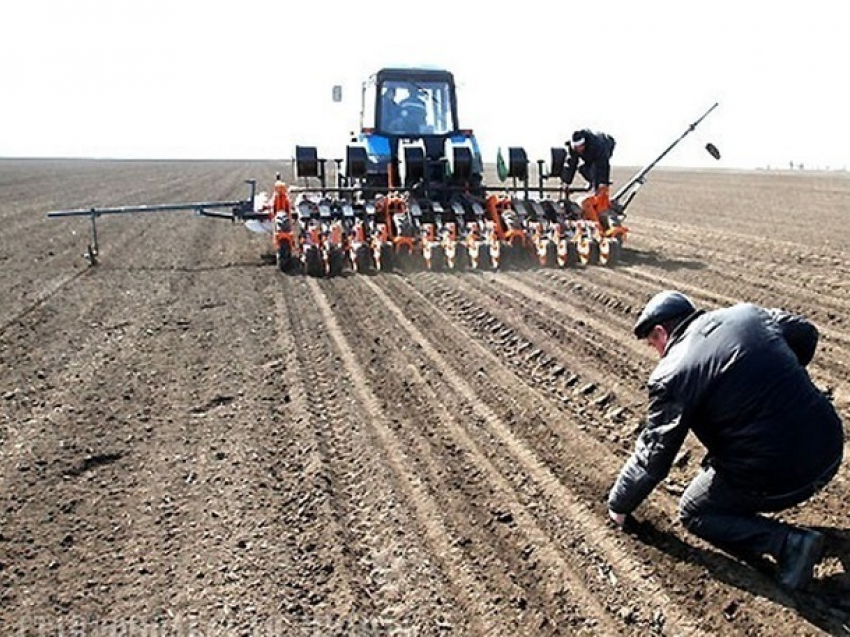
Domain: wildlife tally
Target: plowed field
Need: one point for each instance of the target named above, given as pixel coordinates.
(192, 440)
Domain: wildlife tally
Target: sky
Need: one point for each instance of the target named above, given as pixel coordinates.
(197, 79)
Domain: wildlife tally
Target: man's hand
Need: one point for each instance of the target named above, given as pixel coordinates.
(619, 519)
(625, 522)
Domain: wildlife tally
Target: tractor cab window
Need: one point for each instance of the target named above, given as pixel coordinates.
(415, 108)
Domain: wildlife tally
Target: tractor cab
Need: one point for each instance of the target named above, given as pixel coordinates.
(410, 130)
(410, 108)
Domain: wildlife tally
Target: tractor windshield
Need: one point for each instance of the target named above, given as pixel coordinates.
(415, 108)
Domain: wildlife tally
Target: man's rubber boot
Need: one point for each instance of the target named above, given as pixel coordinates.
(801, 552)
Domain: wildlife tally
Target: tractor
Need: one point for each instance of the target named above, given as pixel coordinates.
(410, 194)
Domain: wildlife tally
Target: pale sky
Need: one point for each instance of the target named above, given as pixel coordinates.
(251, 79)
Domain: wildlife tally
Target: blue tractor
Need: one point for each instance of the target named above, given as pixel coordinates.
(412, 175)
(410, 137)
(410, 194)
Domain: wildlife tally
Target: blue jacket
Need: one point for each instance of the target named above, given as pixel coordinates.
(737, 378)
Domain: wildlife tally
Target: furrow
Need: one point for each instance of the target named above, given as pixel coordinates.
(428, 515)
(487, 508)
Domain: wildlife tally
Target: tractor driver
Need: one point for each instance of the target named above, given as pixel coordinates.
(390, 104)
(594, 150)
(403, 109)
(413, 118)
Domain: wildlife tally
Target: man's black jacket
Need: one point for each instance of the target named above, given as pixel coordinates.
(736, 377)
(596, 169)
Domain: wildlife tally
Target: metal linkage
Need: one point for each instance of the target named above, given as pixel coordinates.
(239, 210)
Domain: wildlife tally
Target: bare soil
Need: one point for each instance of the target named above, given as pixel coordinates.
(193, 441)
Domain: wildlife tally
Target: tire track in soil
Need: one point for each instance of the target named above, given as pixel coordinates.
(595, 539)
(568, 363)
(540, 422)
(613, 311)
(467, 584)
(390, 581)
(592, 382)
(555, 345)
(756, 279)
(549, 594)
(564, 363)
(602, 341)
(319, 519)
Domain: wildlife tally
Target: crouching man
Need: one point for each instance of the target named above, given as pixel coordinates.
(737, 378)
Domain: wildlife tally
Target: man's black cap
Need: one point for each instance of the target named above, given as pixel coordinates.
(661, 308)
